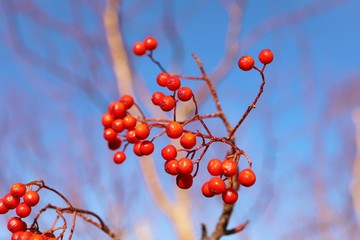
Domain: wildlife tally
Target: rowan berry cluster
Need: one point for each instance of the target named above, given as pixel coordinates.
(183, 162)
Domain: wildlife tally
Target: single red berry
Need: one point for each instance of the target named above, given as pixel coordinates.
(157, 98)
(173, 83)
(142, 131)
(16, 235)
(217, 185)
(167, 103)
(246, 63)
(247, 177)
(150, 43)
(15, 224)
(118, 110)
(118, 125)
(162, 79)
(169, 152)
(229, 167)
(147, 147)
(184, 94)
(37, 236)
(11, 201)
(31, 198)
(23, 210)
(171, 167)
(109, 134)
(3, 208)
(25, 235)
(206, 191)
(110, 106)
(139, 48)
(119, 157)
(174, 130)
(185, 166)
(127, 100)
(188, 140)
(107, 120)
(214, 167)
(131, 136)
(184, 181)
(114, 144)
(18, 189)
(136, 149)
(129, 122)
(266, 56)
(230, 196)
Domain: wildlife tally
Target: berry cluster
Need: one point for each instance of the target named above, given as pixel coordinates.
(183, 162)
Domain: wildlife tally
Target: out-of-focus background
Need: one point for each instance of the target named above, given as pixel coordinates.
(58, 74)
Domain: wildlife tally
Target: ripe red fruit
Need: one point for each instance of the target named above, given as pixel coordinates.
(230, 196)
(188, 140)
(18, 189)
(214, 167)
(184, 94)
(247, 177)
(31, 198)
(129, 122)
(169, 152)
(119, 157)
(127, 100)
(217, 186)
(246, 63)
(150, 43)
(167, 103)
(174, 130)
(266, 56)
(118, 110)
(206, 191)
(23, 210)
(173, 83)
(118, 125)
(142, 131)
(139, 48)
(184, 181)
(146, 147)
(131, 136)
(25, 235)
(107, 120)
(136, 149)
(162, 79)
(15, 224)
(229, 167)
(16, 235)
(114, 144)
(185, 166)
(11, 201)
(37, 236)
(109, 134)
(3, 208)
(157, 98)
(171, 167)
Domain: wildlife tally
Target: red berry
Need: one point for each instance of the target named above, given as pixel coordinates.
(150, 43)
(18, 189)
(31, 198)
(184, 94)
(266, 56)
(146, 147)
(230, 196)
(136, 149)
(229, 168)
(174, 130)
(15, 224)
(142, 131)
(3, 208)
(119, 157)
(214, 167)
(23, 210)
(107, 120)
(246, 63)
(118, 110)
(109, 134)
(36, 236)
(188, 140)
(247, 177)
(127, 100)
(167, 103)
(185, 166)
(131, 136)
(171, 167)
(217, 186)
(114, 144)
(162, 79)
(139, 48)
(25, 235)
(184, 181)
(173, 83)
(129, 122)
(169, 152)
(16, 235)
(206, 191)
(157, 98)
(118, 125)
(11, 201)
